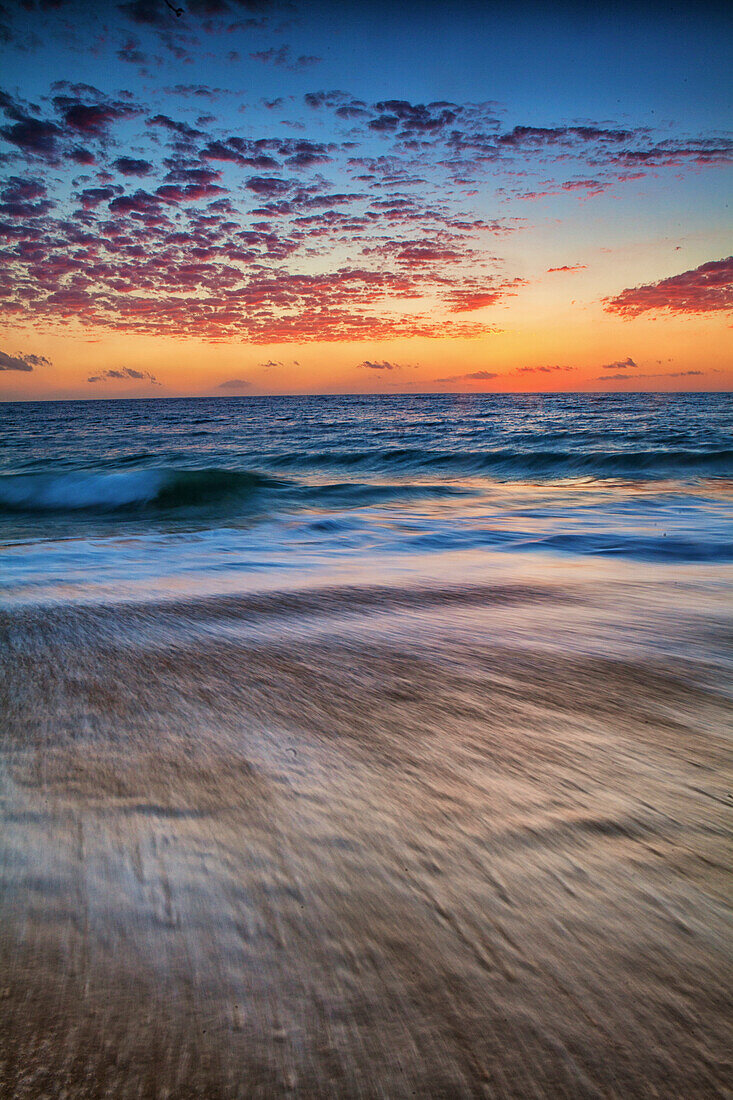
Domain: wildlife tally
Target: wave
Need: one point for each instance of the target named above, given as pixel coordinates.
(386, 474)
(126, 490)
(165, 490)
(515, 464)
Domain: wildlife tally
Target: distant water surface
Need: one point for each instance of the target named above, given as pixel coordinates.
(132, 497)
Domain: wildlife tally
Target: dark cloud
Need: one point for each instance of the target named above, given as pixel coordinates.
(704, 289)
(268, 186)
(141, 202)
(620, 364)
(383, 365)
(130, 166)
(196, 91)
(34, 136)
(284, 58)
(304, 154)
(151, 13)
(235, 384)
(190, 192)
(23, 198)
(344, 105)
(660, 374)
(541, 370)
(91, 119)
(534, 136)
(80, 155)
(681, 373)
(91, 197)
(423, 251)
(21, 362)
(413, 119)
(474, 376)
(157, 13)
(239, 151)
(180, 129)
(125, 374)
(130, 51)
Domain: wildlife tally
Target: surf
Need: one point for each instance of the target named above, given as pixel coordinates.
(126, 490)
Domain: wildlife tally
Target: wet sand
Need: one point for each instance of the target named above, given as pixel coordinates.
(374, 842)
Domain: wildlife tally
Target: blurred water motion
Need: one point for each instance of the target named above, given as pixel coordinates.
(438, 820)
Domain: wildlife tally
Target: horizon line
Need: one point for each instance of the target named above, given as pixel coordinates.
(357, 393)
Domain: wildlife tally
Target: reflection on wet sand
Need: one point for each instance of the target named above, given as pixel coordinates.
(363, 843)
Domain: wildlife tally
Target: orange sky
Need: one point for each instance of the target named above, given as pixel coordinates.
(584, 341)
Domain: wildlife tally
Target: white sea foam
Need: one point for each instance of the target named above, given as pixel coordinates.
(81, 489)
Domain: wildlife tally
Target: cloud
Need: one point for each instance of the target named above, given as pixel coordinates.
(283, 57)
(704, 289)
(129, 166)
(80, 155)
(268, 186)
(475, 376)
(130, 51)
(620, 364)
(34, 136)
(22, 362)
(91, 119)
(412, 119)
(541, 370)
(91, 197)
(417, 253)
(465, 301)
(198, 91)
(467, 298)
(271, 363)
(142, 202)
(241, 237)
(174, 21)
(533, 136)
(345, 106)
(125, 374)
(190, 192)
(684, 373)
(660, 374)
(23, 198)
(182, 130)
(567, 267)
(235, 384)
(383, 365)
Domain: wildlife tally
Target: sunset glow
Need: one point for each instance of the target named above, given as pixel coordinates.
(189, 208)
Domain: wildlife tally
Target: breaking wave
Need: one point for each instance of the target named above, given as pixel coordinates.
(414, 472)
(127, 490)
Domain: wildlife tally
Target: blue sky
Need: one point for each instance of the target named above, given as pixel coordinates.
(661, 63)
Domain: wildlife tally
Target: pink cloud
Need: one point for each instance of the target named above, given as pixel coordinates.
(704, 289)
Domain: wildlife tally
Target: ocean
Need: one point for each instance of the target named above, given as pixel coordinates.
(132, 499)
(364, 746)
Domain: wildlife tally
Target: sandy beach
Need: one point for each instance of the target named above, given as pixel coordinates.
(368, 842)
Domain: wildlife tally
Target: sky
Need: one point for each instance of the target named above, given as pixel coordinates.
(232, 197)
